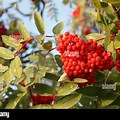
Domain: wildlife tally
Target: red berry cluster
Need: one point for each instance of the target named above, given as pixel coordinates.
(118, 64)
(3, 30)
(17, 36)
(39, 99)
(83, 58)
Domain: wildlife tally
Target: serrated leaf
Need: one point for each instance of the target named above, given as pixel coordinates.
(40, 38)
(30, 71)
(34, 58)
(112, 49)
(63, 78)
(66, 89)
(9, 41)
(58, 60)
(16, 67)
(80, 80)
(39, 23)
(13, 102)
(23, 31)
(41, 106)
(58, 28)
(3, 68)
(67, 101)
(6, 54)
(47, 45)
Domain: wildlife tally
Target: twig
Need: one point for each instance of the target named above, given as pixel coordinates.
(49, 51)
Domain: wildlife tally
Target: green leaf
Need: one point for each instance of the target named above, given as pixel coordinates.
(23, 31)
(13, 102)
(9, 41)
(116, 43)
(27, 80)
(89, 90)
(63, 78)
(41, 106)
(58, 60)
(65, 1)
(67, 101)
(113, 1)
(66, 89)
(30, 71)
(51, 76)
(43, 89)
(39, 22)
(107, 98)
(112, 49)
(97, 3)
(6, 54)
(80, 80)
(47, 45)
(8, 76)
(3, 68)
(40, 38)
(58, 28)
(95, 36)
(112, 107)
(16, 67)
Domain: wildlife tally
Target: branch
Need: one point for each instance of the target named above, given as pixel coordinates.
(49, 51)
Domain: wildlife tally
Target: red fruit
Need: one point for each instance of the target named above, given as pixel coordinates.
(82, 59)
(118, 26)
(17, 36)
(118, 51)
(39, 99)
(86, 31)
(3, 29)
(76, 12)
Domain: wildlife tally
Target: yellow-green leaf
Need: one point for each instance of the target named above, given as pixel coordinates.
(47, 45)
(3, 68)
(13, 102)
(80, 80)
(63, 78)
(9, 41)
(66, 89)
(67, 101)
(58, 28)
(16, 67)
(39, 22)
(41, 106)
(23, 31)
(6, 54)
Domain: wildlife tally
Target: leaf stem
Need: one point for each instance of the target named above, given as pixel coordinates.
(49, 51)
(23, 46)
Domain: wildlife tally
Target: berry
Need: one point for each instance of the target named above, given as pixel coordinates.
(17, 36)
(82, 59)
(39, 99)
(76, 12)
(3, 29)
(86, 31)
(118, 26)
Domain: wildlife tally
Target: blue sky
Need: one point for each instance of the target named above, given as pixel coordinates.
(64, 14)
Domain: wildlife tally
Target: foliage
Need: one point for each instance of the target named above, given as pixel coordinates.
(36, 80)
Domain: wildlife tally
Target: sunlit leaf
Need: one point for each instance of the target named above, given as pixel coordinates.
(80, 80)
(67, 101)
(58, 28)
(63, 78)
(6, 54)
(9, 41)
(3, 68)
(39, 22)
(16, 67)
(23, 31)
(41, 106)
(66, 89)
